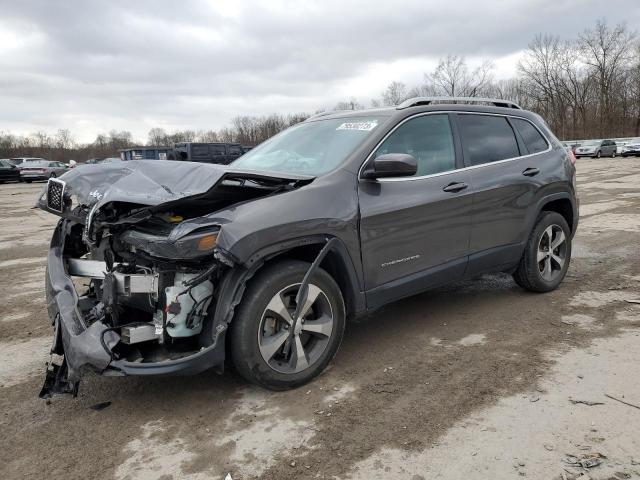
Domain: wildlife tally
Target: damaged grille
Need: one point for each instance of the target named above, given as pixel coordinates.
(55, 194)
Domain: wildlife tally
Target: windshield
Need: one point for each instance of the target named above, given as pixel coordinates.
(313, 148)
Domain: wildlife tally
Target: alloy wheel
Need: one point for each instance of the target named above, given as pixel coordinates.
(291, 345)
(552, 252)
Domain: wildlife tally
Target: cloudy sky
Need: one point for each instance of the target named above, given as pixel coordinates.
(92, 66)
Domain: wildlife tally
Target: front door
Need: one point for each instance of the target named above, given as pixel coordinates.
(415, 231)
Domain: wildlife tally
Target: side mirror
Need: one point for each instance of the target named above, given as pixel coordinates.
(391, 165)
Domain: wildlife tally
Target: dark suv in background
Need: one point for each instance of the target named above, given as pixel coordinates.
(260, 263)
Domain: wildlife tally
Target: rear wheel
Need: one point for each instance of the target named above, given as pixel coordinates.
(613, 155)
(547, 254)
(28, 181)
(271, 348)
(53, 175)
(599, 154)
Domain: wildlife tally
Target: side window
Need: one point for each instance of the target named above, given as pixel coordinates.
(428, 139)
(532, 138)
(199, 150)
(487, 138)
(235, 150)
(217, 150)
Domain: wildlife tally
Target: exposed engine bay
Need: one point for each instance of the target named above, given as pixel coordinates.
(144, 268)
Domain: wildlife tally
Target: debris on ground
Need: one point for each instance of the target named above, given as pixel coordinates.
(100, 406)
(621, 401)
(633, 300)
(586, 460)
(590, 403)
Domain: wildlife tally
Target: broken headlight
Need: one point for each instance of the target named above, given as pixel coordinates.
(194, 245)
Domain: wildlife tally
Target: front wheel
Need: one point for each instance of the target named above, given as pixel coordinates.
(271, 348)
(547, 254)
(599, 154)
(53, 175)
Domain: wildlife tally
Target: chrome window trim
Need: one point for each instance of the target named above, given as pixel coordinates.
(455, 170)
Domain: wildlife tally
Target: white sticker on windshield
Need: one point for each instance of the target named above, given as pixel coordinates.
(363, 126)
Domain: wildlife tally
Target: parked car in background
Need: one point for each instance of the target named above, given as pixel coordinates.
(145, 153)
(221, 153)
(42, 170)
(20, 160)
(597, 149)
(631, 149)
(8, 171)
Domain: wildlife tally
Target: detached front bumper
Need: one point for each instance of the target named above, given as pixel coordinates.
(89, 348)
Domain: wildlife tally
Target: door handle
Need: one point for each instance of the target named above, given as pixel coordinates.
(455, 187)
(530, 172)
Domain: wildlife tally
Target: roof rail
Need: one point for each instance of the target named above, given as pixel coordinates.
(415, 101)
(327, 112)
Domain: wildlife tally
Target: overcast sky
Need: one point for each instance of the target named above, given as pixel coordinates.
(93, 66)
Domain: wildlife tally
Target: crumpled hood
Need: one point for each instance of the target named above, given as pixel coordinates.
(150, 182)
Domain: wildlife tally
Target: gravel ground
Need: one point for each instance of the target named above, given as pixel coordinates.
(474, 381)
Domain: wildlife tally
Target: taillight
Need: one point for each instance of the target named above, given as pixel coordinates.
(572, 157)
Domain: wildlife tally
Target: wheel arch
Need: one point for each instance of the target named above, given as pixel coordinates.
(233, 284)
(563, 204)
(337, 263)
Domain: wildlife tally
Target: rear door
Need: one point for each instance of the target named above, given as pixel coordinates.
(415, 231)
(506, 177)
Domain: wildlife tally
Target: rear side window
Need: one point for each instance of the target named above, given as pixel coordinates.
(428, 139)
(533, 139)
(487, 138)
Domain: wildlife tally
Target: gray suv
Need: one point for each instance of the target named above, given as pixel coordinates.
(260, 263)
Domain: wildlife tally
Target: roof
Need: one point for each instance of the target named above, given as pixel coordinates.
(429, 104)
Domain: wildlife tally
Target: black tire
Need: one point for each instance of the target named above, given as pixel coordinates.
(246, 325)
(599, 154)
(28, 181)
(613, 155)
(528, 274)
(53, 175)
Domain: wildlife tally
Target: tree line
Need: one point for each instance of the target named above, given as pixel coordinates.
(585, 87)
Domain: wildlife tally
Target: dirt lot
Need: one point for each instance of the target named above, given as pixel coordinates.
(471, 381)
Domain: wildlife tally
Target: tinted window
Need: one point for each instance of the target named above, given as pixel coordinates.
(217, 150)
(533, 139)
(428, 139)
(487, 138)
(235, 150)
(199, 150)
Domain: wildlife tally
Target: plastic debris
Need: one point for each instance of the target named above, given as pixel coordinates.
(587, 460)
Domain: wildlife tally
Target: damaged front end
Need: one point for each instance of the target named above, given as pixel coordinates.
(136, 276)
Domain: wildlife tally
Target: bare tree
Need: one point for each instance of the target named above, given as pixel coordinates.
(452, 77)
(351, 104)
(157, 137)
(395, 93)
(606, 51)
